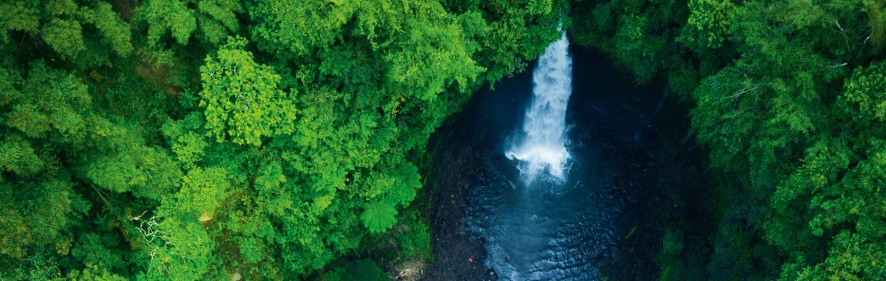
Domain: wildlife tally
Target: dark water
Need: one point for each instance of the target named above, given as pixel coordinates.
(551, 231)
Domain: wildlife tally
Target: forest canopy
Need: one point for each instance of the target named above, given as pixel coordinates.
(183, 140)
(787, 98)
(228, 140)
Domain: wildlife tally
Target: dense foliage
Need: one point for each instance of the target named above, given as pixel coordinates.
(788, 98)
(182, 140)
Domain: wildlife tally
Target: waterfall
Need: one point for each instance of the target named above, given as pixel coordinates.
(542, 145)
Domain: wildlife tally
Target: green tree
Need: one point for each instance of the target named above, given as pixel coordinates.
(838, 186)
(791, 136)
(242, 99)
(215, 20)
(708, 22)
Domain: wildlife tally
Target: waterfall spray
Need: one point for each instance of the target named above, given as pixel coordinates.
(541, 148)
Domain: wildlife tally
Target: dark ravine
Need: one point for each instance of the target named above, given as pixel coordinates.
(654, 172)
(456, 168)
(457, 258)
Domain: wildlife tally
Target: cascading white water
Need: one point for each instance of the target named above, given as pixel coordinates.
(542, 145)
